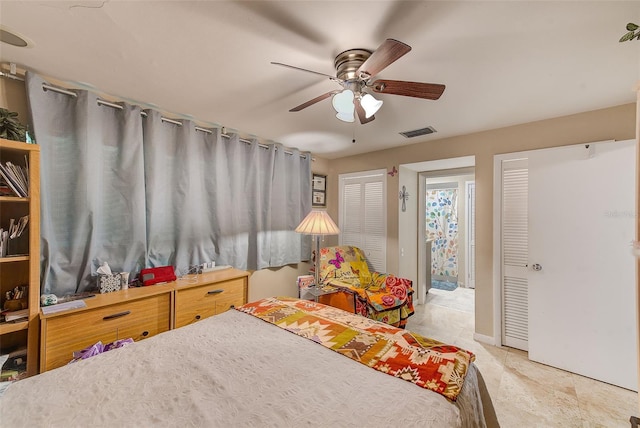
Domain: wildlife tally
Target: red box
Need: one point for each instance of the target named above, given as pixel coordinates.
(156, 275)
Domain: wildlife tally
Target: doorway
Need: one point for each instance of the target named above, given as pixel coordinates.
(412, 251)
(445, 207)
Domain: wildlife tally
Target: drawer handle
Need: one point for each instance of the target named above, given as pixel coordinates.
(118, 315)
(145, 333)
(220, 290)
(198, 317)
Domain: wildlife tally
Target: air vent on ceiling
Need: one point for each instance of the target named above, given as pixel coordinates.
(417, 132)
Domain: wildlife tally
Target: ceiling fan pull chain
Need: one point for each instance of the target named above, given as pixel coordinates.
(353, 141)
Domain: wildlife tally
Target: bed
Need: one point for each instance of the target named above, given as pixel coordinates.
(276, 362)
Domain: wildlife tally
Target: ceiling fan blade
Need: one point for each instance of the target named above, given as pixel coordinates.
(315, 100)
(308, 71)
(429, 91)
(362, 115)
(387, 53)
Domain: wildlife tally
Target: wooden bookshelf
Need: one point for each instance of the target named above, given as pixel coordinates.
(22, 270)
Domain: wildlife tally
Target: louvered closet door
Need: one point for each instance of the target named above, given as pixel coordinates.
(362, 215)
(515, 255)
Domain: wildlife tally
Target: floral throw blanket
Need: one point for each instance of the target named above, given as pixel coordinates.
(379, 296)
(425, 362)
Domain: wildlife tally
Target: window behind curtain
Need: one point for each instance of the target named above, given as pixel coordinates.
(136, 191)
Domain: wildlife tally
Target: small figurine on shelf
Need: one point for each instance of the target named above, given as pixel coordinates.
(28, 137)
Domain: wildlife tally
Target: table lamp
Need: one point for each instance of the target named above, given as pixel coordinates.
(317, 223)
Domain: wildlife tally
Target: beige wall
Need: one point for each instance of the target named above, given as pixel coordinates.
(610, 123)
(13, 98)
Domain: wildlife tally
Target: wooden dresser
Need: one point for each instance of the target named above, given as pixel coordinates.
(211, 293)
(139, 313)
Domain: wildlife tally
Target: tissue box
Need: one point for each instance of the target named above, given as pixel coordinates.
(109, 283)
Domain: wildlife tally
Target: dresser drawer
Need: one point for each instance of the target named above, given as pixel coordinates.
(196, 303)
(137, 319)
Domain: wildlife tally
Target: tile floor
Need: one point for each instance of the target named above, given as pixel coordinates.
(524, 393)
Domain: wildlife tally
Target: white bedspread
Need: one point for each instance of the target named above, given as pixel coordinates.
(229, 370)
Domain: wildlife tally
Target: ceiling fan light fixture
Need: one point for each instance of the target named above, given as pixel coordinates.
(346, 117)
(355, 69)
(370, 105)
(343, 105)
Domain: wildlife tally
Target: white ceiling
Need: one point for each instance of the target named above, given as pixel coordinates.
(503, 62)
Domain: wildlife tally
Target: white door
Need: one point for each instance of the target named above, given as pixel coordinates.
(581, 276)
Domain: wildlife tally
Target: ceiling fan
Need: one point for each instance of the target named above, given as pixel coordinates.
(355, 69)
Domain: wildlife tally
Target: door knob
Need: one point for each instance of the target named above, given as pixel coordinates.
(537, 267)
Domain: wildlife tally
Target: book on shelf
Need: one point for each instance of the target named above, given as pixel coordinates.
(15, 177)
(13, 242)
(15, 315)
(4, 242)
(5, 190)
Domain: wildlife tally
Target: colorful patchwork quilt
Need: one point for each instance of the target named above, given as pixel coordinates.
(425, 362)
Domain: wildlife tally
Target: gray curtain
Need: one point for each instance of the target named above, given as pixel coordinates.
(92, 187)
(140, 192)
(179, 217)
(263, 194)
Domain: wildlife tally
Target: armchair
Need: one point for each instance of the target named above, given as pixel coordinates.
(379, 296)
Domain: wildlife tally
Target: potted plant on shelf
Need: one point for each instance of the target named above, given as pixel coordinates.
(10, 127)
(631, 28)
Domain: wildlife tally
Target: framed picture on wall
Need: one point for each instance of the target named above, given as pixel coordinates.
(319, 182)
(319, 199)
(319, 189)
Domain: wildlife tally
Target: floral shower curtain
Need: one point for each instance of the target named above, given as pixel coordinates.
(442, 229)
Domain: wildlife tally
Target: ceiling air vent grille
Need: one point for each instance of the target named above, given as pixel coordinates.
(418, 132)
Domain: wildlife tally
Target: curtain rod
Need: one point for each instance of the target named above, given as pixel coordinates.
(11, 76)
(197, 128)
(164, 119)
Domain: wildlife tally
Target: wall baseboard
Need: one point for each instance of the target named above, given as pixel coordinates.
(489, 340)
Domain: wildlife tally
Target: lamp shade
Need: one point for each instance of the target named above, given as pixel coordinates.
(317, 222)
(370, 105)
(343, 105)
(346, 117)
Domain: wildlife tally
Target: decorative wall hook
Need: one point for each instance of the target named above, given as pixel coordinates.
(404, 195)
